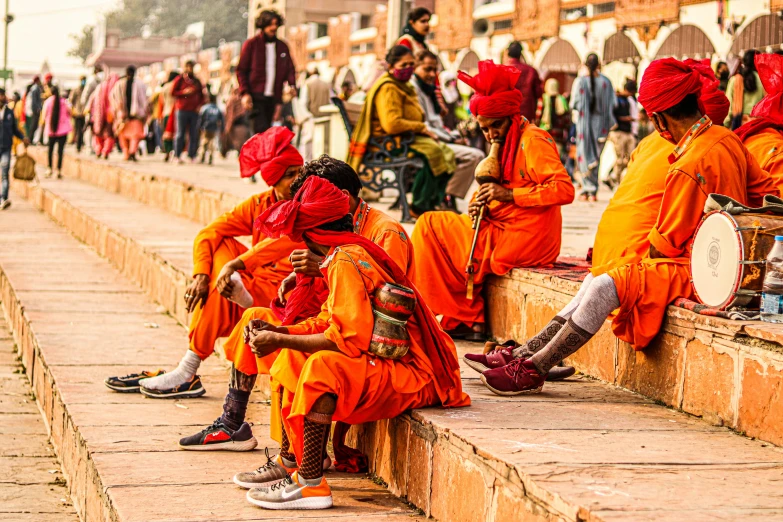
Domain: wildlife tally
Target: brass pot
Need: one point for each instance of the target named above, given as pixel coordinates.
(392, 307)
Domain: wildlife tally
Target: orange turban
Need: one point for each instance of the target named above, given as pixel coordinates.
(715, 103)
(496, 96)
(666, 82)
(271, 153)
(768, 113)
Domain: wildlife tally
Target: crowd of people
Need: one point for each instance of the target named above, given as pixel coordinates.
(351, 319)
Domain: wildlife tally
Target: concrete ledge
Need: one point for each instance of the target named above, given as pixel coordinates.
(728, 372)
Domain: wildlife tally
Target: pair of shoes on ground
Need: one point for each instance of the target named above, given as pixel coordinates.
(504, 375)
(133, 383)
(49, 173)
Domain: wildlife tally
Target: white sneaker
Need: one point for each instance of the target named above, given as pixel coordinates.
(5, 204)
(292, 493)
(49, 173)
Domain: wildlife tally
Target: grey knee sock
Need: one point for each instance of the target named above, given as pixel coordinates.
(599, 301)
(566, 312)
(538, 341)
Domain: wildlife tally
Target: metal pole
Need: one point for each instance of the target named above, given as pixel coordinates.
(5, 45)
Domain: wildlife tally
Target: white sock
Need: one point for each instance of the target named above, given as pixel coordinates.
(183, 373)
(240, 295)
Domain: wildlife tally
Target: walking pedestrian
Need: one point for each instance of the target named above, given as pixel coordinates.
(189, 95)
(77, 110)
(129, 105)
(57, 125)
(593, 100)
(101, 117)
(32, 108)
(622, 135)
(211, 123)
(744, 91)
(265, 64)
(553, 115)
(8, 131)
(529, 83)
(168, 114)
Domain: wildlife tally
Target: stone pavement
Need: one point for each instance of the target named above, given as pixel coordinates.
(32, 487)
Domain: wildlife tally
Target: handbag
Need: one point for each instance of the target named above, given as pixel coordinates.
(24, 168)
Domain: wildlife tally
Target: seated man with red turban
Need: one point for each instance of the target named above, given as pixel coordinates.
(343, 379)
(624, 228)
(227, 276)
(763, 134)
(638, 286)
(308, 291)
(522, 221)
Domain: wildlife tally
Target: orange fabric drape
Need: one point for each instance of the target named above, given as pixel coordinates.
(767, 147)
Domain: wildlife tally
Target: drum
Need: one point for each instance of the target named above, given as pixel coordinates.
(728, 255)
(392, 306)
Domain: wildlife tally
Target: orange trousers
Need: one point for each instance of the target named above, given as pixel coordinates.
(218, 316)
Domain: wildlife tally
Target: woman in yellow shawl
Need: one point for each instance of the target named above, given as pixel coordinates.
(391, 108)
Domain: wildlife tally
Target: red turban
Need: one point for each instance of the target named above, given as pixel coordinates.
(769, 111)
(317, 202)
(667, 81)
(715, 103)
(496, 96)
(270, 152)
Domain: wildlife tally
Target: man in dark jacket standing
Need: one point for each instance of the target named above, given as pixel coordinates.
(529, 83)
(265, 64)
(8, 129)
(189, 95)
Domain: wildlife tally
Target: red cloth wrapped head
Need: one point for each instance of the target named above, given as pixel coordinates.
(317, 202)
(715, 103)
(271, 153)
(666, 82)
(496, 96)
(768, 113)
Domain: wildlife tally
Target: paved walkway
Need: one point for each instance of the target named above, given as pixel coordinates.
(32, 487)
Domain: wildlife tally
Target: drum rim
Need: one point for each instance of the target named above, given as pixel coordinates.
(741, 268)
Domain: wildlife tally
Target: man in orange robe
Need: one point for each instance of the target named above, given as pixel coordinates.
(522, 221)
(228, 277)
(763, 134)
(707, 159)
(308, 292)
(342, 379)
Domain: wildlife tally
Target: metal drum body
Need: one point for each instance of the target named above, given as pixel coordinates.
(392, 307)
(728, 256)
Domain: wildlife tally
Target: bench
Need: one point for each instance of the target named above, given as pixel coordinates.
(386, 154)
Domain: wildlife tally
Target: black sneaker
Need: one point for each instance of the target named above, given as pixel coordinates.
(129, 383)
(190, 389)
(218, 436)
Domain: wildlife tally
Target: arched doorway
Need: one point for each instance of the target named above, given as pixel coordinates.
(561, 62)
(345, 75)
(467, 60)
(687, 41)
(763, 32)
(621, 59)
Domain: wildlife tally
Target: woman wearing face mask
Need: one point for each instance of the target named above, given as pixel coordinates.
(392, 108)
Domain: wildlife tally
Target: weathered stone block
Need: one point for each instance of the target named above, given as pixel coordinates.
(760, 406)
(709, 382)
(419, 470)
(655, 371)
(456, 475)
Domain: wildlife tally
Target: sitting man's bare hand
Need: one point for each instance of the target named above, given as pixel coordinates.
(306, 263)
(489, 192)
(288, 284)
(197, 292)
(224, 284)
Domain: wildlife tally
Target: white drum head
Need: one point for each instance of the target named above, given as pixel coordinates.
(715, 260)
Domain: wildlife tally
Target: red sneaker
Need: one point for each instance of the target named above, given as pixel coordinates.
(482, 362)
(516, 378)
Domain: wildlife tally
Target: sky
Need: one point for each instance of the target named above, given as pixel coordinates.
(41, 31)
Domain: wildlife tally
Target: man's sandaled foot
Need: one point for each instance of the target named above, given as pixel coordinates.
(130, 383)
(188, 390)
(218, 436)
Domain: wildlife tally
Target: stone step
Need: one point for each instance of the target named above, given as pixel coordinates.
(581, 450)
(76, 320)
(728, 372)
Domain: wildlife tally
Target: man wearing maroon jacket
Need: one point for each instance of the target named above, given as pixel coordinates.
(189, 95)
(265, 64)
(529, 83)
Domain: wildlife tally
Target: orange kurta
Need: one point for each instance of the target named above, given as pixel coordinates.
(522, 233)
(711, 159)
(767, 147)
(266, 264)
(368, 388)
(373, 224)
